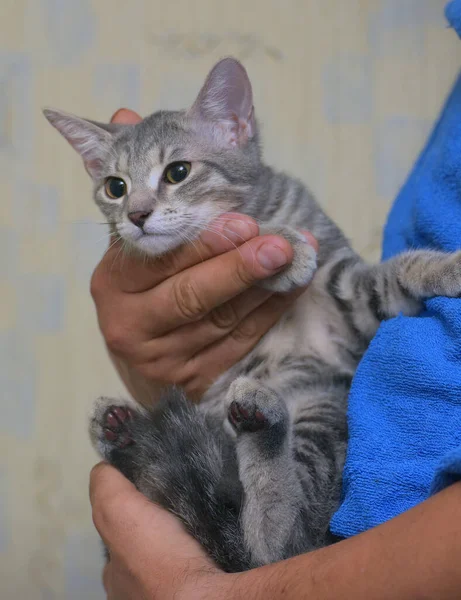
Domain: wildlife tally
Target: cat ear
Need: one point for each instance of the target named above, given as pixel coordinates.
(226, 99)
(90, 139)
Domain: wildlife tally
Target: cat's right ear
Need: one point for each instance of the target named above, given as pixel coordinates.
(226, 100)
(90, 139)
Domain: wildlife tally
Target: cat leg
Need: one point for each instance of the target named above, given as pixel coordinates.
(272, 490)
(181, 460)
(367, 294)
(301, 270)
(115, 427)
(319, 444)
(419, 275)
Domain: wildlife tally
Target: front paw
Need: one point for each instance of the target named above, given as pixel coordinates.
(301, 270)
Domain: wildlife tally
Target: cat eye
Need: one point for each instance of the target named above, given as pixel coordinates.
(176, 172)
(115, 187)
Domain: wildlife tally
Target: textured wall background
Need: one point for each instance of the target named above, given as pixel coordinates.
(346, 91)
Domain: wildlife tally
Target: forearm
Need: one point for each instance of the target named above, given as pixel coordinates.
(414, 556)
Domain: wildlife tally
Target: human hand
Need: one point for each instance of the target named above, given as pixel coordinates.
(187, 317)
(151, 556)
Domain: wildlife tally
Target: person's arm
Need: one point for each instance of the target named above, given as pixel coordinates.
(415, 556)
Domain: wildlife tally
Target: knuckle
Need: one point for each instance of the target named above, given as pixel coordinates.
(188, 302)
(194, 383)
(224, 316)
(184, 373)
(196, 388)
(118, 340)
(158, 370)
(151, 371)
(246, 331)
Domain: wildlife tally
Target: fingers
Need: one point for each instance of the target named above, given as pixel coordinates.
(109, 490)
(226, 318)
(193, 293)
(124, 518)
(184, 342)
(311, 239)
(132, 526)
(129, 273)
(216, 359)
(125, 117)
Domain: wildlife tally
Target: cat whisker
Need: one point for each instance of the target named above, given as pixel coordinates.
(104, 237)
(216, 232)
(192, 241)
(112, 244)
(232, 218)
(88, 223)
(122, 248)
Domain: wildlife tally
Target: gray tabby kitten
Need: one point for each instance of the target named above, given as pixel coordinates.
(254, 472)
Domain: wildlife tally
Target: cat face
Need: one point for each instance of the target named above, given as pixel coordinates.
(162, 181)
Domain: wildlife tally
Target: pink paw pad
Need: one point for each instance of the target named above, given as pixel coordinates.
(245, 420)
(115, 426)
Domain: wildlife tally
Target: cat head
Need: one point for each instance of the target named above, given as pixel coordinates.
(162, 181)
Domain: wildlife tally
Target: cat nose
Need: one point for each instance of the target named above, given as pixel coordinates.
(139, 217)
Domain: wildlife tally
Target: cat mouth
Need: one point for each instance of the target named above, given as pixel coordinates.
(156, 233)
(142, 234)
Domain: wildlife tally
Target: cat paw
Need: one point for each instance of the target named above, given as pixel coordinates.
(116, 426)
(252, 407)
(301, 270)
(110, 426)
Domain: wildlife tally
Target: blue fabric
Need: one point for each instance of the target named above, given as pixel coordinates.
(405, 402)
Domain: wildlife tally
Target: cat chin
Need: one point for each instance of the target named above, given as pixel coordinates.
(155, 244)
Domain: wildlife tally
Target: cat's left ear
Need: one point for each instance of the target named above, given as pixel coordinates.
(226, 99)
(90, 139)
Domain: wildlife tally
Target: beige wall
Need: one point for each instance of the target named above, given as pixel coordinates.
(346, 91)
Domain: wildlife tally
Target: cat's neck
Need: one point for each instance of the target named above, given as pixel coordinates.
(278, 198)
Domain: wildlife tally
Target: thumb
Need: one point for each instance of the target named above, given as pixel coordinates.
(135, 528)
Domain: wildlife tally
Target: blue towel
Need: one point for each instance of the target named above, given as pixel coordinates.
(405, 402)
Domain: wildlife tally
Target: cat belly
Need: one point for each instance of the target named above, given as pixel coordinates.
(313, 327)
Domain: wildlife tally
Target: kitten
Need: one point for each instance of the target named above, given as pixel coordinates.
(254, 472)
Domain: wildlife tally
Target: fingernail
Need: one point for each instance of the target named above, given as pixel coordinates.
(271, 257)
(310, 239)
(239, 231)
(117, 114)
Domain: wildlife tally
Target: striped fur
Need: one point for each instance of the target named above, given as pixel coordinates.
(254, 472)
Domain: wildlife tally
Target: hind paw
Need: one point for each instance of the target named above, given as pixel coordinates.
(111, 426)
(252, 407)
(115, 426)
(246, 418)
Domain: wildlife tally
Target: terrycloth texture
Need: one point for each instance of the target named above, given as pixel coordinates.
(405, 403)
